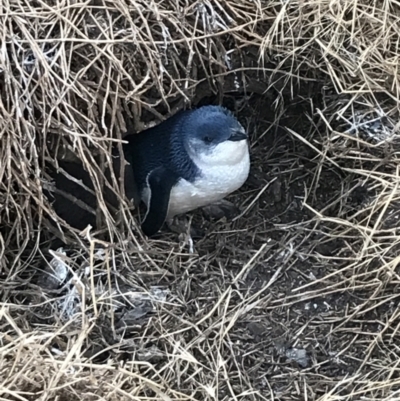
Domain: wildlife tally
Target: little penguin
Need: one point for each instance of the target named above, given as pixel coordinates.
(193, 159)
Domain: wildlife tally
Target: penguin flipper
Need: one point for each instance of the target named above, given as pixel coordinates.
(160, 182)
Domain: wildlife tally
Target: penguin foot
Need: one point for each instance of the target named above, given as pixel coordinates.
(181, 225)
(220, 209)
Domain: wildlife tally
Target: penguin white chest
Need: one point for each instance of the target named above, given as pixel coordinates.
(222, 171)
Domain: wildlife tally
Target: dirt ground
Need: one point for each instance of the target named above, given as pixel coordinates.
(285, 302)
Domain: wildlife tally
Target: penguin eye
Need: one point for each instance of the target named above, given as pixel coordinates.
(207, 139)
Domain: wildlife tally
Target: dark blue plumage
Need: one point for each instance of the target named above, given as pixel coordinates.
(162, 145)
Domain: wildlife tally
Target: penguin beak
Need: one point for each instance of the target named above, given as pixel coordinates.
(238, 135)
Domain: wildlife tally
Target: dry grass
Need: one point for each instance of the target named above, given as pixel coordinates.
(309, 268)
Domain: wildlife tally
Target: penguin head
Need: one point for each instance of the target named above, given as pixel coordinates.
(215, 137)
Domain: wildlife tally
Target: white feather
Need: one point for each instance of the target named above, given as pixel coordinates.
(223, 171)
